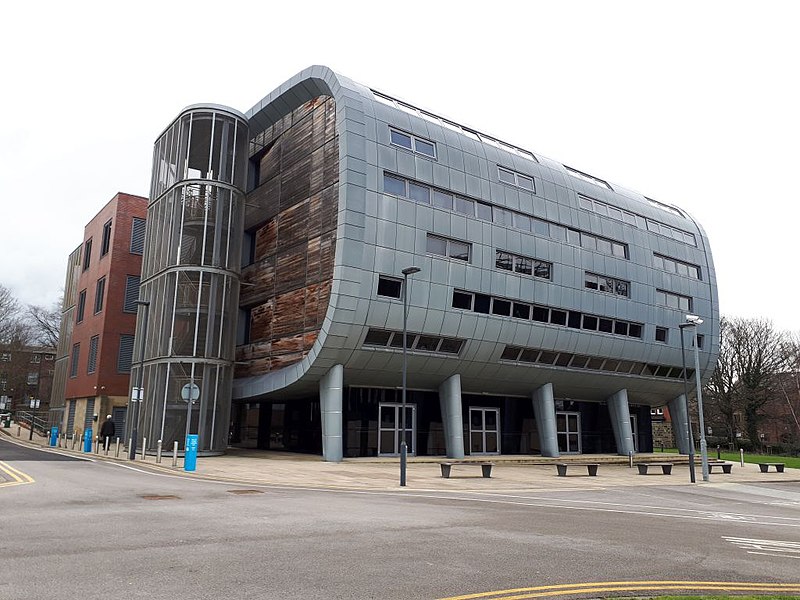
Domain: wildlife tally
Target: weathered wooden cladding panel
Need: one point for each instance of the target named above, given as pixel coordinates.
(292, 215)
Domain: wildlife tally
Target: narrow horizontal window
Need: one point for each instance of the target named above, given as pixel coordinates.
(401, 139)
(411, 142)
(394, 185)
(462, 300)
(390, 287)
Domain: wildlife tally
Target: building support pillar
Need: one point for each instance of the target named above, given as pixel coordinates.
(544, 408)
(330, 403)
(452, 420)
(621, 421)
(680, 423)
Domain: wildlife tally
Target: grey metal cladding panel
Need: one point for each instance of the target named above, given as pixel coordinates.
(406, 165)
(423, 169)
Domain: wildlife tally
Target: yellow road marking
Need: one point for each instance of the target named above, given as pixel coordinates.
(628, 586)
(19, 478)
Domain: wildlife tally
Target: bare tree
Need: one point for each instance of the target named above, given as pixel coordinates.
(10, 316)
(758, 354)
(722, 399)
(45, 324)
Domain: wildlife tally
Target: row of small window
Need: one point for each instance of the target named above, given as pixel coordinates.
(596, 363)
(630, 218)
(662, 335)
(418, 342)
(124, 356)
(517, 179)
(35, 358)
(413, 143)
(672, 300)
(608, 285)
(470, 133)
(489, 305)
(425, 194)
(136, 247)
(673, 265)
(450, 248)
(523, 265)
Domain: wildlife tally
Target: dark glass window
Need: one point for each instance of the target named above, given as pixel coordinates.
(437, 245)
(542, 314)
(377, 337)
(501, 307)
(424, 147)
(427, 343)
(462, 300)
(523, 265)
(442, 199)
(547, 358)
(605, 325)
(635, 330)
(661, 334)
(87, 254)
(579, 361)
(574, 319)
(621, 328)
(590, 322)
(81, 306)
(106, 243)
(99, 294)
(390, 287)
(482, 303)
(459, 250)
(394, 185)
(397, 340)
(542, 269)
(528, 355)
(419, 193)
(563, 359)
(522, 311)
(595, 363)
(557, 317)
(510, 353)
(451, 346)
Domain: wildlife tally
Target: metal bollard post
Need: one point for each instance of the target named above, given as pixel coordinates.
(106, 444)
(116, 452)
(741, 457)
(719, 456)
(158, 452)
(175, 453)
(130, 441)
(630, 458)
(73, 440)
(97, 445)
(19, 428)
(144, 445)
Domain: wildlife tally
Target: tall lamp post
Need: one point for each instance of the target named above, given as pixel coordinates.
(138, 396)
(403, 446)
(686, 403)
(694, 321)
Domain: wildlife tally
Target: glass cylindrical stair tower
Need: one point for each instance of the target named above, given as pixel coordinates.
(190, 279)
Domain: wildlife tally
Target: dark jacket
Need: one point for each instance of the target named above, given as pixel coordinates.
(108, 429)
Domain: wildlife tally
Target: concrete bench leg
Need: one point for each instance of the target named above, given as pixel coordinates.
(667, 469)
(487, 470)
(592, 470)
(764, 468)
(562, 470)
(779, 468)
(445, 471)
(642, 469)
(726, 468)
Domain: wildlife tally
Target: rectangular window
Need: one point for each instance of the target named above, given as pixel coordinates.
(501, 307)
(608, 285)
(79, 314)
(419, 193)
(450, 248)
(73, 367)
(137, 235)
(462, 300)
(125, 356)
(131, 293)
(377, 337)
(412, 142)
(517, 179)
(87, 253)
(504, 260)
(661, 334)
(673, 265)
(390, 287)
(464, 206)
(99, 294)
(484, 211)
(522, 264)
(672, 300)
(394, 185)
(36, 358)
(106, 243)
(91, 365)
(442, 199)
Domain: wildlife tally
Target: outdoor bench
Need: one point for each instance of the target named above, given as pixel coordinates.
(486, 467)
(766, 465)
(666, 467)
(591, 467)
(725, 466)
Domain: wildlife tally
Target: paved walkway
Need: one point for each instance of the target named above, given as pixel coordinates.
(252, 467)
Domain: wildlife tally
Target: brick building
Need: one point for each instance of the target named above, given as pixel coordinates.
(99, 318)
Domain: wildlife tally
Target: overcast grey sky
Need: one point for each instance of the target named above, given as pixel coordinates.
(691, 103)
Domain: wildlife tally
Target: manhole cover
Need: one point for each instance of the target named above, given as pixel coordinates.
(243, 492)
(160, 497)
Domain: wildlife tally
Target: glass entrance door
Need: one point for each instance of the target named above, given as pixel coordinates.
(568, 431)
(484, 431)
(390, 428)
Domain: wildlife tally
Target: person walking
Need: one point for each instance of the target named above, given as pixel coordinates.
(107, 431)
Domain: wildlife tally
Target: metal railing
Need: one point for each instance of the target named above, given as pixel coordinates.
(40, 425)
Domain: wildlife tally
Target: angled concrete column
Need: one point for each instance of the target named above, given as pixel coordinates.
(452, 421)
(621, 421)
(330, 404)
(544, 408)
(680, 424)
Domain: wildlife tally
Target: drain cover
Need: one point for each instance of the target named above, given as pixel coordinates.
(243, 492)
(160, 497)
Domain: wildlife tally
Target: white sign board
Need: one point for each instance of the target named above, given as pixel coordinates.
(191, 391)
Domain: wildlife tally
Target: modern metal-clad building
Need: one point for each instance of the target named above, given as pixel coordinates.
(544, 317)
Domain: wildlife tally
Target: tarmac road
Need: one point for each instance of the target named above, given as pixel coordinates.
(98, 529)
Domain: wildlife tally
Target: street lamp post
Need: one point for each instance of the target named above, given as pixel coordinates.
(403, 446)
(686, 403)
(140, 393)
(694, 321)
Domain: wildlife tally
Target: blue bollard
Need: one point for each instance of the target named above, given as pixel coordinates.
(53, 436)
(87, 440)
(190, 452)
